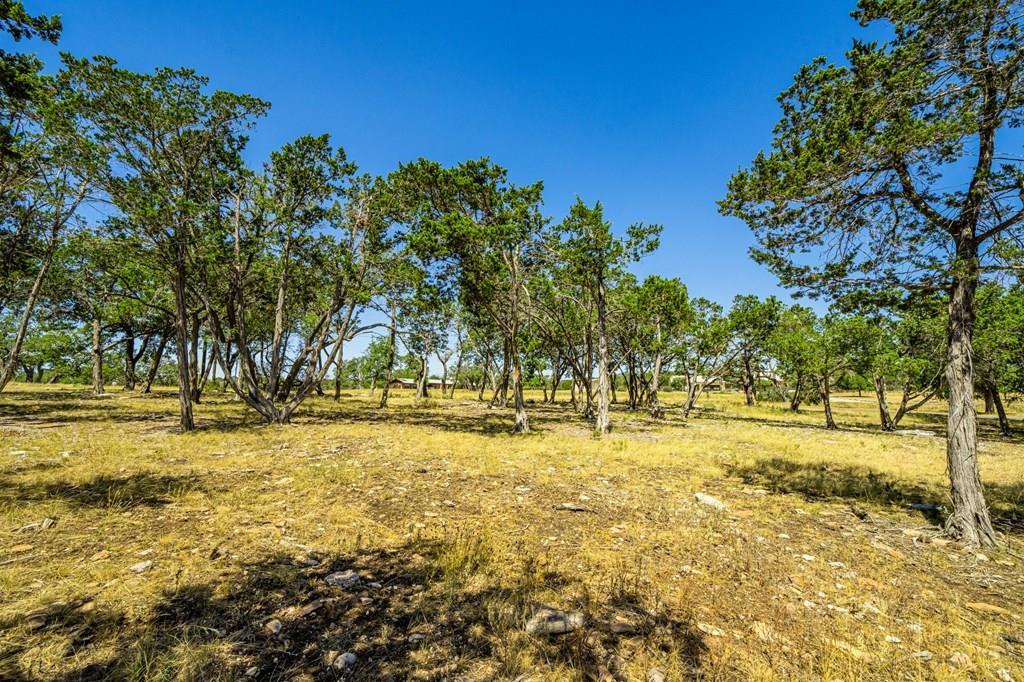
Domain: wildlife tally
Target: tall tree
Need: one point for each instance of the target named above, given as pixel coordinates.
(596, 257)
(887, 168)
(175, 148)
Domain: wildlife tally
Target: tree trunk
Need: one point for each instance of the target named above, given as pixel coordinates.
(522, 424)
(603, 423)
(825, 391)
(30, 373)
(654, 405)
(969, 519)
(158, 356)
(883, 405)
(129, 360)
(794, 402)
(749, 391)
(990, 404)
(181, 343)
(97, 356)
(992, 390)
(421, 381)
(11, 362)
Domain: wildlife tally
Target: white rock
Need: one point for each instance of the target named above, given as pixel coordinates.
(344, 579)
(549, 621)
(141, 566)
(710, 501)
(346, 660)
(273, 626)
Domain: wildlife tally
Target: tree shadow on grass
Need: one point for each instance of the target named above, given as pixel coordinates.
(115, 492)
(428, 610)
(826, 480)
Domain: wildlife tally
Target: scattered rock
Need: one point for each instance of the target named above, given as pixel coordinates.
(622, 626)
(763, 631)
(709, 630)
(38, 525)
(656, 675)
(417, 637)
(1004, 675)
(960, 660)
(710, 501)
(344, 579)
(273, 626)
(18, 549)
(310, 607)
(987, 608)
(549, 621)
(923, 655)
(807, 557)
(102, 554)
(346, 660)
(891, 639)
(571, 506)
(253, 671)
(141, 566)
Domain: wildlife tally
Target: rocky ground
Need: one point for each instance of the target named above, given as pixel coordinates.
(424, 542)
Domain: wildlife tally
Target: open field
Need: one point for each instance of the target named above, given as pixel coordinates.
(818, 569)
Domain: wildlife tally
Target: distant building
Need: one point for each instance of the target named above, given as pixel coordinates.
(411, 383)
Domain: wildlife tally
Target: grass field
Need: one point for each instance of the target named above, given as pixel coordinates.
(203, 556)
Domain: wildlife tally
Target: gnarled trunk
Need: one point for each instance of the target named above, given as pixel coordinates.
(825, 391)
(969, 519)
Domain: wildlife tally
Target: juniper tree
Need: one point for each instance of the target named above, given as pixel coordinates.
(891, 171)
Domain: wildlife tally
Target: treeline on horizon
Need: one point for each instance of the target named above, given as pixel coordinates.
(134, 237)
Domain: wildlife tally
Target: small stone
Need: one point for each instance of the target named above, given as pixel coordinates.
(656, 675)
(141, 566)
(273, 626)
(571, 506)
(18, 549)
(923, 655)
(417, 637)
(310, 607)
(253, 671)
(709, 630)
(346, 660)
(549, 621)
(344, 579)
(763, 631)
(710, 501)
(621, 626)
(987, 608)
(807, 557)
(941, 542)
(916, 627)
(1004, 675)
(102, 554)
(891, 639)
(960, 660)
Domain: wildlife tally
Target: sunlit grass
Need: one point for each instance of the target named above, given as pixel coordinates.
(458, 522)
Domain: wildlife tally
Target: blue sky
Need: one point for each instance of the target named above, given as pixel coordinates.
(648, 107)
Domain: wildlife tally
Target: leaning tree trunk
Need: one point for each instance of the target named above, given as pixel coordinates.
(97, 356)
(11, 362)
(794, 402)
(997, 401)
(158, 356)
(969, 519)
(825, 391)
(883, 405)
(181, 343)
(522, 424)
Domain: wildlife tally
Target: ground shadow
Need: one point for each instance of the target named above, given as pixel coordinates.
(420, 611)
(825, 480)
(114, 492)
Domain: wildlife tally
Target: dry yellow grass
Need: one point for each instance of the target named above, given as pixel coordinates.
(456, 521)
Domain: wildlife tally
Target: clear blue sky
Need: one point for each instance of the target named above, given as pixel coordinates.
(647, 106)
